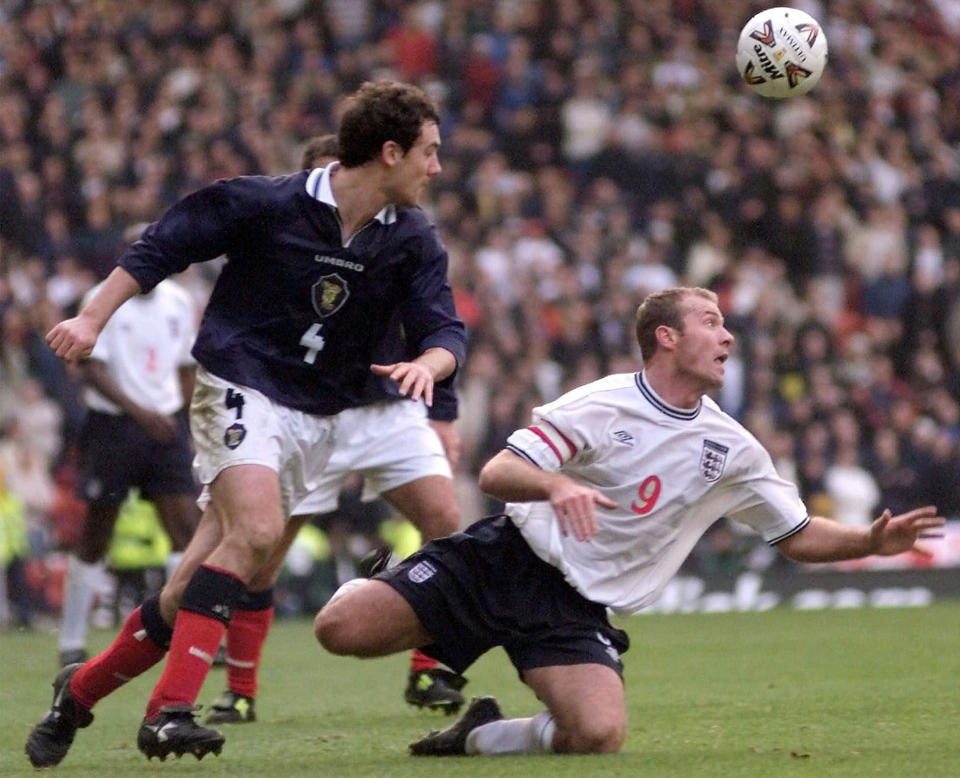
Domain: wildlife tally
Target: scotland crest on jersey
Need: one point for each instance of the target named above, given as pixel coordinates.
(329, 294)
(713, 458)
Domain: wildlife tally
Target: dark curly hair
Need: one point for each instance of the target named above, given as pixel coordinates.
(380, 111)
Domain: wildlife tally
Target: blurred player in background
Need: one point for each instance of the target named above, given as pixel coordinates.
(402, 458)
(320, 151)
(321, 265)
(608, 491)
(139, 379)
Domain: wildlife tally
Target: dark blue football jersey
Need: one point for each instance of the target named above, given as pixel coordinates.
(295, 313)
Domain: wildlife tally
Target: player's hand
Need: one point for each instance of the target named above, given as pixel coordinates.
(574, 505)
(891, 534)
(450, 439)
(73, 339)
(415, 379)
(158, 426)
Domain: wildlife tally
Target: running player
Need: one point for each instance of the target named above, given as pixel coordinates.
(608, 491)
(320, 266)
(401, 458)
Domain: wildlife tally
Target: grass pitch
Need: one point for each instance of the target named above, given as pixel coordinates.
(782, 693)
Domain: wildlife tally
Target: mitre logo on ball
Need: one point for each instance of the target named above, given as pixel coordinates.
(781, 52)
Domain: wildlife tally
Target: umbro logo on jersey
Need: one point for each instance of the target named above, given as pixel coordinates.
(622, 436)
(713, 459)
(422, 571)
(336, 261)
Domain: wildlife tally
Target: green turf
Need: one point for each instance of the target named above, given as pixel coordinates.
(780, 693)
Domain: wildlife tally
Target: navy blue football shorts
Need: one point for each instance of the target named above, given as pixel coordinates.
(485, 587)
(116, 455)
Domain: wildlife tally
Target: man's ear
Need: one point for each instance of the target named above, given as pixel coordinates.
(391, 153)
(666, 337)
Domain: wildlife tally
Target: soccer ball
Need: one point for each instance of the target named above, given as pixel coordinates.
(781, 52)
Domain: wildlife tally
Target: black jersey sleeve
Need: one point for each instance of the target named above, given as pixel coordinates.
(429, 315)
(445, 407)
(200, 227)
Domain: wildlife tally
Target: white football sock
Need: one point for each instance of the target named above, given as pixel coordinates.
(513, 736)
(81, 585)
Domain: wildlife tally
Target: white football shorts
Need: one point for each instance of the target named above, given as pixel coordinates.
(389, 443)
(236, 425)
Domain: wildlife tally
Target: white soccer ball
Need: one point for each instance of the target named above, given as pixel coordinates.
(781, 52)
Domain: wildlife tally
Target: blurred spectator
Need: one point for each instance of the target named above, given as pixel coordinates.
(853, 492)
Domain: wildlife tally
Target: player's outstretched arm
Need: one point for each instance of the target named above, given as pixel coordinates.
(512, 479)
(823, 540)
(75, 338)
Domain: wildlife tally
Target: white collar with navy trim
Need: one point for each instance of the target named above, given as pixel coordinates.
(684, 414)
(318, 187)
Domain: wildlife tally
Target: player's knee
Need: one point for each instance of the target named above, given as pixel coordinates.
(257, 541)
(334, 631)
(599, 735)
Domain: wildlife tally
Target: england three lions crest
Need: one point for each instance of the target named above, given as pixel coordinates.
(713, 458)
(329, 294)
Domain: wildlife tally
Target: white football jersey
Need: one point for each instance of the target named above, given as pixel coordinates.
(143, 344)
(672, 473)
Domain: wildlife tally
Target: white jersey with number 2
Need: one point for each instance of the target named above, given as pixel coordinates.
(672, 473)
(143, 345)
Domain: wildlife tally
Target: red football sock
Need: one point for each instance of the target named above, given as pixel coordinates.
(245, 638)
(420, 661)
(131, 653)
(195, 642)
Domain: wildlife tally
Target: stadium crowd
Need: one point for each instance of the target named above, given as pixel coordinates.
(593, 151)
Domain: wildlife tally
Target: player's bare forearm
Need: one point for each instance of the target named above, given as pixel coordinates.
(97, 375)
(511, 479)
(158, 426)
(119, 287)
(187, 376)
(75, 338)
(823, 540)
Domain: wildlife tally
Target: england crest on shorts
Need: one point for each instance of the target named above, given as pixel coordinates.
(329, 294)
(420, 572)
(713, 458)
